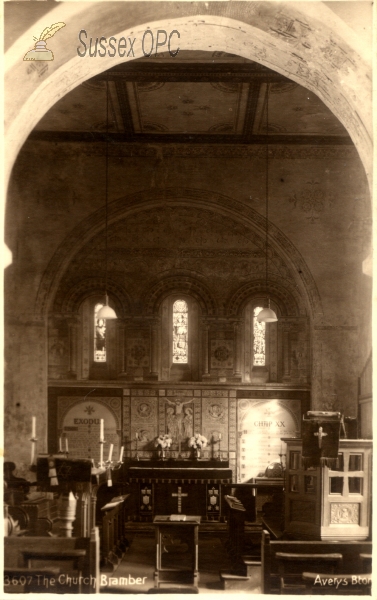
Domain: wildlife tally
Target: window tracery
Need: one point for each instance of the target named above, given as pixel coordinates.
(180, 332)
(259, 340)
(99, 336)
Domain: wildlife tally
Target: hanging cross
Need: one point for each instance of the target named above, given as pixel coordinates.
(320, 435)
(180, 495)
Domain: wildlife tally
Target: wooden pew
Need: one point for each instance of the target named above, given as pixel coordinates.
(341, 584)
(25, 580)
(291, 566)
(350, 551)
(76, 558)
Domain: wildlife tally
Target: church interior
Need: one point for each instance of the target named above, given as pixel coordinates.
(188, 299)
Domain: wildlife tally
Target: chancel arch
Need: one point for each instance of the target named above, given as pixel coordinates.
(321, 43)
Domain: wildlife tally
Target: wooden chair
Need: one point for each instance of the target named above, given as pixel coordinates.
(337, 585)
(291, 566)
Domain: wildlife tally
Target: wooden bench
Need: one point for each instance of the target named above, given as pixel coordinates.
(25, 580)
(291, 566)
(351, 553)
(77, 559)
(340, 584)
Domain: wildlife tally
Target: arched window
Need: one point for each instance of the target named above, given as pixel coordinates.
(260, 346)
(259, 340)
(99, 336)
(180, 332)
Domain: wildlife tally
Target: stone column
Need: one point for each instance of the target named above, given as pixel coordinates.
(122, 367)
(73, 326)
(286, 352)
(237, 350)
(205, 330)
(154, 347)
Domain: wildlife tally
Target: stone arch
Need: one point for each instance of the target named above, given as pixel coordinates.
(69, 301)
(289, 300)
(308, 44)
(181, 284)
(233, 210)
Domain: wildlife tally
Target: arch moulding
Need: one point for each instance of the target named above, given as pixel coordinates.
(305, 42)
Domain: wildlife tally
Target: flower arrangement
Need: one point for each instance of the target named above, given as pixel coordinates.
(163, 441)
(197, 441)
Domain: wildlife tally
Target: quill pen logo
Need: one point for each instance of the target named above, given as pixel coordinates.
(40, 51)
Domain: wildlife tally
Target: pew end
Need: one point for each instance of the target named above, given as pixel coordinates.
(76, 559)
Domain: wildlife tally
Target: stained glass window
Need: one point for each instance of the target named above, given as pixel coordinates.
(180, 332)
(259, 340)
(99, 336)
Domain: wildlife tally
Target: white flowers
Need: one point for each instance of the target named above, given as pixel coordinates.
(197, 441)
(164, 441)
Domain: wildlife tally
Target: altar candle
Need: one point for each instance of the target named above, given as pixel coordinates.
(110, 452)
(121, 454)
(60, 443)
(219, 436)
(33, 427)
(32, 453)
(101, 431)
(137, 435)
(66, 444)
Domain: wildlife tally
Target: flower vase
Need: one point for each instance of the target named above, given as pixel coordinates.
(162, 454)
(197, 453)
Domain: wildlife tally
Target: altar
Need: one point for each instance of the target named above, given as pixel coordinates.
(174, 488)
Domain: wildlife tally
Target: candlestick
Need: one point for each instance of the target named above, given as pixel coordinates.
(101, 431)
(110, 452)
(121, 454)
(33, 427)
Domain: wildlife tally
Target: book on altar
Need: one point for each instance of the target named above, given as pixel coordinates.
(178, 517)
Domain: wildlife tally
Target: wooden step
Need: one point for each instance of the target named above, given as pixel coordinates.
(252, 566)
(232, 581)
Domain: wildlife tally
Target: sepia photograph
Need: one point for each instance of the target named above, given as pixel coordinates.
(187, 297)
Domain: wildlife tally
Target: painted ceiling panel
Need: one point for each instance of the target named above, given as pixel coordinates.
(188, 107)
(295, 110)
(84, 109)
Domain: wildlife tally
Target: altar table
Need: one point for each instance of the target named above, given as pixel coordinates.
(171, 489)
(174, 541)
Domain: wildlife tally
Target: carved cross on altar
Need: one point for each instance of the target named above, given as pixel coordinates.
(320, 435)
(180, 495)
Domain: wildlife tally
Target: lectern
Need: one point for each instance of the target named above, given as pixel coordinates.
(177, 540)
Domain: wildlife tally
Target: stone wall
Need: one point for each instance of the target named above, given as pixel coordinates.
(200, 212)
